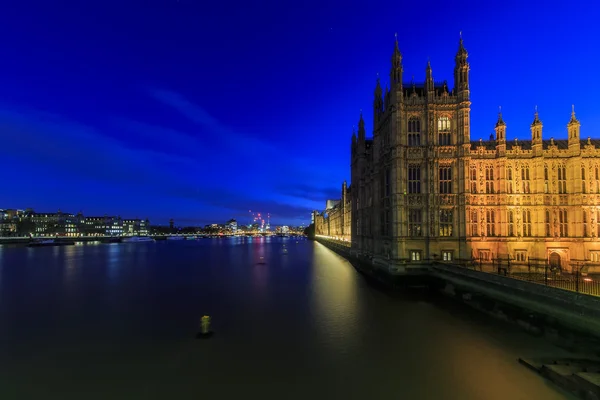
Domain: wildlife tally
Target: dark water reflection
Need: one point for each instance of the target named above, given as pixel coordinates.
(118, 321)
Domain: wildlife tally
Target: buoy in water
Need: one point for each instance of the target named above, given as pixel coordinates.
(205, 331)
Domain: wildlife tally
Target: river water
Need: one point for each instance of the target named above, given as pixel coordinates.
(118, 321)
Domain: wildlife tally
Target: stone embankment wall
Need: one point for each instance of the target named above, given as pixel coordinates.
(568, 319)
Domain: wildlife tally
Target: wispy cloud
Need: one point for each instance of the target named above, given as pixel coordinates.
(201, 117)
(160, 162)
(292, 170)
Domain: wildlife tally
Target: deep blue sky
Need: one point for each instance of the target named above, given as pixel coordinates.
(201, 111)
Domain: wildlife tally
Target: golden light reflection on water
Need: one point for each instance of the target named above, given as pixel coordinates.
(335, 306)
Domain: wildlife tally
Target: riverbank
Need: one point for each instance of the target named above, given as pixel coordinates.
(568, 319)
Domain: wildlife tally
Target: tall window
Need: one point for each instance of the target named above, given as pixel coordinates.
(583, 183)
(548, 224)
(414, 132)
(414, 178)
(414, 222)
(473, 178)
(562, 179)
(489, 179)
(598, 223)
(446, 222)
(526, 223)
(509, 180)
(491, 223)
(546, 190)
(445, 179)
(597, 180)
(525, 179)
(564, 224)
(511, 223)
(585, 224)
(474, 230)
(444, 135)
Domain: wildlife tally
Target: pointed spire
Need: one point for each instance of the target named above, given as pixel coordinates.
(573, 118)
(361, 128)
(396, 70)
(396, 55)
(500, 121)
(378, 86)
(429, 77)
(461, 45)
(536, 118)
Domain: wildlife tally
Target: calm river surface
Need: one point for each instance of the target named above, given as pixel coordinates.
(117, 321)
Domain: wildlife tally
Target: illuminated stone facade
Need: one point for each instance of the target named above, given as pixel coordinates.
(422, 190)
(336, 221)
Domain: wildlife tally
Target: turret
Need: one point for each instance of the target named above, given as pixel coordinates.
(536, 134)
(500, 134)
(500, 128)
(461, 72)
(573, 128)
(536, 127)
(429, 79)
(396, 70)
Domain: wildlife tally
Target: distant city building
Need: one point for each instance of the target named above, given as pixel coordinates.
(59, 223)
(136, 227)
(101, 226)
(8, 226)
(232, 225)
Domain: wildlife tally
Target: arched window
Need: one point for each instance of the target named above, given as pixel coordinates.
(414, 131)
(473, 179)
(562, 179)
(489, 179)
(444, 134)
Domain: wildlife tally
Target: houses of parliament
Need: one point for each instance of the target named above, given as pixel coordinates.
(422, 190)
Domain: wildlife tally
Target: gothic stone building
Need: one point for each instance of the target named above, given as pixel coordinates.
(335, 222)
(422, 190)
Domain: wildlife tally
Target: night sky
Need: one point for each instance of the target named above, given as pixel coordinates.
(201, 111)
